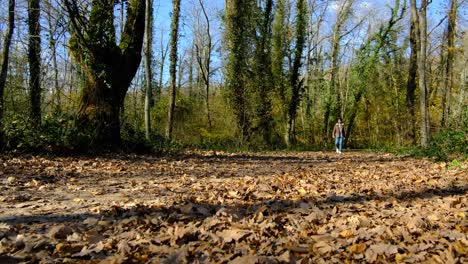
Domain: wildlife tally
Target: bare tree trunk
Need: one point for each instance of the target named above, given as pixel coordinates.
(191, 69)
(4, 66)
(147, 44)
(180, 74)
(164, 50)
(422, 40)
(121, 20)
(173, 66)
(204, 60)
(412, 72)
(34, 58)
(448, 80)
(52, 45)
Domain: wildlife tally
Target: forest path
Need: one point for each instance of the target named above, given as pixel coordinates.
(221, 207)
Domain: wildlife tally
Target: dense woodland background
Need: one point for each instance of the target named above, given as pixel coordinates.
(250, 74)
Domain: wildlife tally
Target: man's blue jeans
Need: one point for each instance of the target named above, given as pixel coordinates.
(339, 143)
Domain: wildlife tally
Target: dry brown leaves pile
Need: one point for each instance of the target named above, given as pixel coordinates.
(232, 208)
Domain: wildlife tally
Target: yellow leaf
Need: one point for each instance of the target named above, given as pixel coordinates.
(346, 233)
(400, 257)
(302, 191)
(460, 215)
(357, 248)
(78, 200)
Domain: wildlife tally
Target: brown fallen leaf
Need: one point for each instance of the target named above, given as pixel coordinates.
(60, 232)
(234, 234)
(357, 248)
(66, 249)
(380, 249)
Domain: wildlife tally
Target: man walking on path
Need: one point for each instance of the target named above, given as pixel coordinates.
(339, 133)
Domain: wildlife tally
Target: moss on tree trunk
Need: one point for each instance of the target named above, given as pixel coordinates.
(108, 68)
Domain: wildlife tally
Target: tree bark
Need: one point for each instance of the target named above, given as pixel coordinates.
(34, 59)
(422, 40)
(164, 50)
(4, 66)
(173, 66)
(148, 58)
(204, 60)
(296, 84)
(449, 79)
(53, 48)
(237, 38)
(108, 68)
(263, 72)
(412, 73)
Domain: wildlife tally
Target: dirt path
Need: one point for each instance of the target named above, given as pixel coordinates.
(220, 208)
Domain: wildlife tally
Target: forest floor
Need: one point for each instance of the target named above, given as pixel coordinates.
(306, 207)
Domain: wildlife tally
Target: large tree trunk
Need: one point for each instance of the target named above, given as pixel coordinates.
(422, 40)
(4, 66)
(412, 72)
(237, 39)
(278, 58)
(172, 69)
(108, 68)
(448, 80)
(263, 72)
(149, 76)
(34, 59)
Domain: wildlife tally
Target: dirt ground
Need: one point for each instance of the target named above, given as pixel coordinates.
(295, 207)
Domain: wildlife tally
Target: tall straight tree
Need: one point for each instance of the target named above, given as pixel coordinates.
(34, 59)
(412, 74)
(173, 66)
(238, 39)
(296, 83)
(4, 65)
(279, 49)
(204, 61)
(108, 68)
(148, 43)
(421, 15)
(449, 73)
(263, 70)
(52, 28)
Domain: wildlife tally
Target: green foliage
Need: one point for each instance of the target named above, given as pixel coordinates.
(55, 134)
(454, 164)
(444, 146)
(448, 143)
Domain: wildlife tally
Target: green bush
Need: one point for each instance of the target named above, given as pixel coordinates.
(55, 134)
(447, 144)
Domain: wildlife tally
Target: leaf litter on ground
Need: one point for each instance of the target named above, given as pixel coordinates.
(206, 207)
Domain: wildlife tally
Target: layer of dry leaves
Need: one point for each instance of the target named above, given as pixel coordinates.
(231, 208)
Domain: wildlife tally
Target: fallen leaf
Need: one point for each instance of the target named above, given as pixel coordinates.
(230, 235)
(357, 248)
(347, 233)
